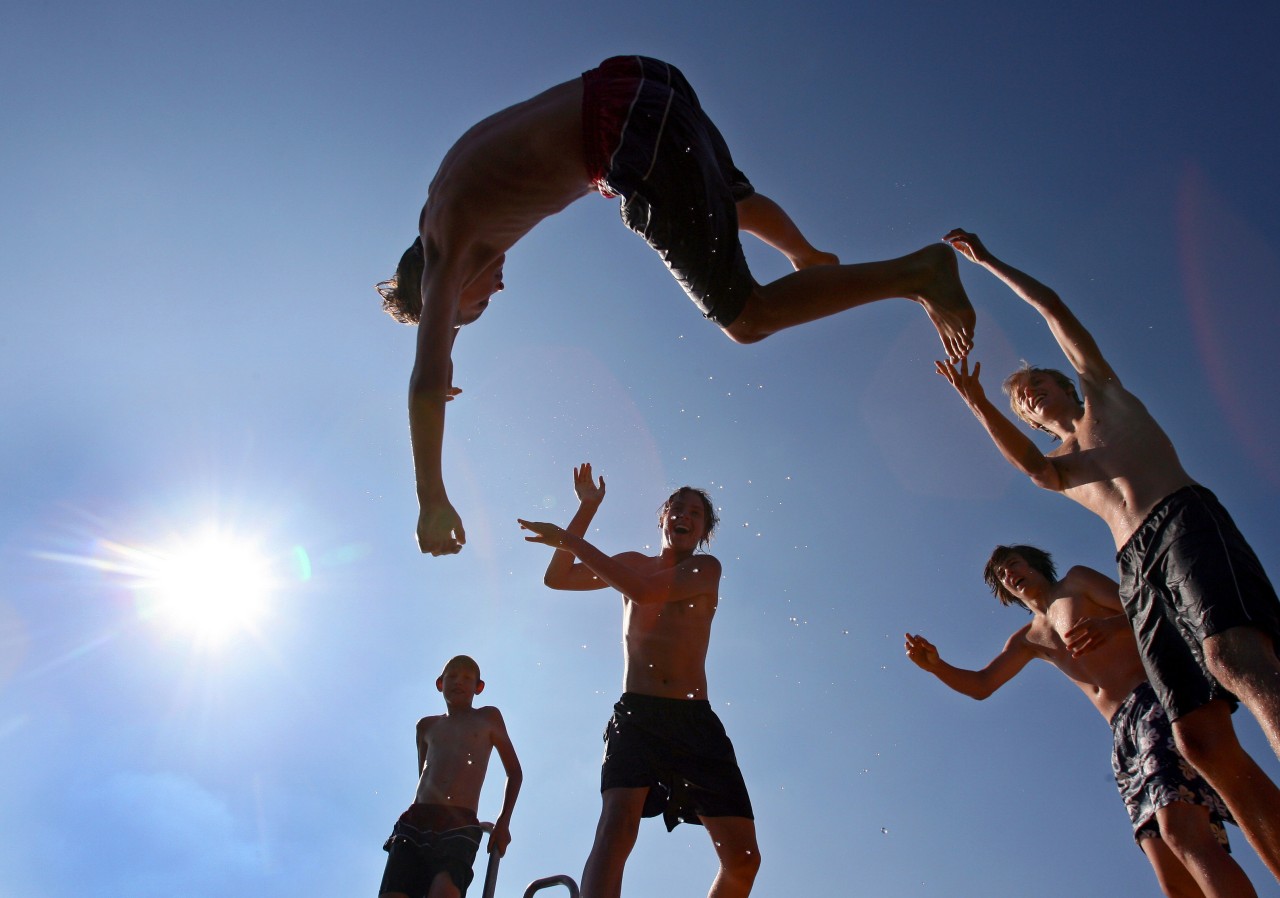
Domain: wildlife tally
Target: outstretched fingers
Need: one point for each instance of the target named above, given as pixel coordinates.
(546, 534)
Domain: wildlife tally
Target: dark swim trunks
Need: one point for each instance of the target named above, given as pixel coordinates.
(1150, 773)
(1187, 574)
(648, 141)
(429, 839)
(679, 750)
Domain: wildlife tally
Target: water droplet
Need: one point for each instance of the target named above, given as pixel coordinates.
(884, 830)
(688, 695)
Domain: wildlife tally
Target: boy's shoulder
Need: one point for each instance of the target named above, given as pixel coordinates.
(429, 721)
(700, 560)
(1083, 579)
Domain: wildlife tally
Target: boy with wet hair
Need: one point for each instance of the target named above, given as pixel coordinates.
(1078, 625)
(666, 751)
(1205, 615)
(433, 844)
(1040, 561)
(633, 128)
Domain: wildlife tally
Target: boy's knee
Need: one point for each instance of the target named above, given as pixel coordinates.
(749, 327)
(442, 886)
(747, 863)
(743, 333)
(1209, 746)
(1185, 830)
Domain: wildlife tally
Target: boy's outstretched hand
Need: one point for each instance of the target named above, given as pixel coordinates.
(968, 245)
(546, 534)
(588, 491)
(965, 382)
(921, 652)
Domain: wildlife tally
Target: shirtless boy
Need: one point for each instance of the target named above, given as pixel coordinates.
(1206, 617)
(433, 844)
(1078, 626)
(632, 128)
(665, 749)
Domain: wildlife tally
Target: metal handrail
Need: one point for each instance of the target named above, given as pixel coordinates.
(546, 882)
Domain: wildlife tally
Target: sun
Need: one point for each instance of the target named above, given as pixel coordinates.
(208, 584)
(211, 586)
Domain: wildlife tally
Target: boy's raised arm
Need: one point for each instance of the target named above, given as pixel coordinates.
(563, 571)
(1014, 445)
(500, 838)
(977, 684)
(1076, 342)
(696, 576)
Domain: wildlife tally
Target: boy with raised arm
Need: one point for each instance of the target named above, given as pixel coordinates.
(666, 751)
(633, 127)
(1206, 617)
(434, 843)
(1078, 626)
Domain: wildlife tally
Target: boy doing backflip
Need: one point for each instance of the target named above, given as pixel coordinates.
(665, 749)
(633, 127)
(1206, 617)
(1078, 626)
(433, 844)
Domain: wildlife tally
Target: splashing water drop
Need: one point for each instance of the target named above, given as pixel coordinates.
(885, 830)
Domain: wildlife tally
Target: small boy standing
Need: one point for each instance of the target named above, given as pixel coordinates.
(434, 843)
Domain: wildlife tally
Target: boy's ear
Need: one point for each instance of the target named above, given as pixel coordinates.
(439, 684)
(479, 686)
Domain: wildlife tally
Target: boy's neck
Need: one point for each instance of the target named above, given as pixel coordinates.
(1039, 602)
(454, 710)
(675, 556)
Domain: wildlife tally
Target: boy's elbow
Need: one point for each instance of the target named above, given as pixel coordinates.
(1047, 480)
(975, 693)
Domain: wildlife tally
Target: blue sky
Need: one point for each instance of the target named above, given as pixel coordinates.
(197, 201)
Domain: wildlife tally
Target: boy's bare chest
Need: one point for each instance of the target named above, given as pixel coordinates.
(1113, 444)
(449, 738)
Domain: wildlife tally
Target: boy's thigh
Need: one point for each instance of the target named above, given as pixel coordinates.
(622, 806)
(409, 872)
(405, 874)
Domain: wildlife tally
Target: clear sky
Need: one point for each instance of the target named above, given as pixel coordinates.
(196, 202)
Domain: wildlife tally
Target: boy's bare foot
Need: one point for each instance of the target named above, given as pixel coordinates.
(944, 299)
(816, 257)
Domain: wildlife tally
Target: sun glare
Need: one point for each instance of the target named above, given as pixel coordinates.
(211, 586)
